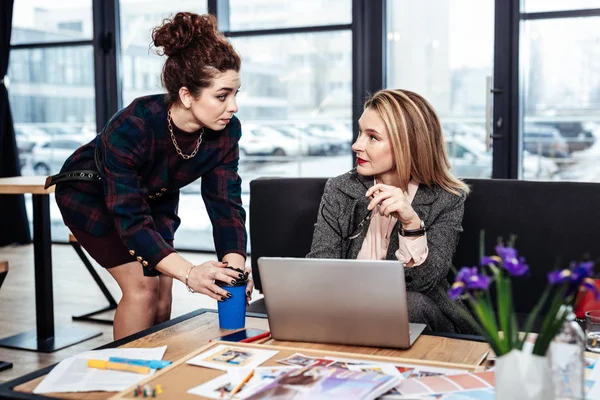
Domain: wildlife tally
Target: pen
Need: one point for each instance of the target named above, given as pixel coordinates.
(242, 383)
(154, 364)
(103, 364)
(255, 338)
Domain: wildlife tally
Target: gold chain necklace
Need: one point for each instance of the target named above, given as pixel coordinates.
(185, 156)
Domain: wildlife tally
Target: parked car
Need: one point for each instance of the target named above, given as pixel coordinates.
(336, 140)
(264, 140)
(577, 136)
(545, 141)
(314, 145)
(470, 160)
(27, 136)
(47, 157)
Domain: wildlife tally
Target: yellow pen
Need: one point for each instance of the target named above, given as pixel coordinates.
(103, 364)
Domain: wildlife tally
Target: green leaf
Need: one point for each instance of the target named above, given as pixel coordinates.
(545, 334)
(504, 317)
(488, 329)
(553, 330)
(481, 244)
(533, 315)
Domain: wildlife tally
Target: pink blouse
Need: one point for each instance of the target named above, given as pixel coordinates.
(377, 239)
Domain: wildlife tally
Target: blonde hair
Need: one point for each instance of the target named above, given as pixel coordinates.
(416, 138)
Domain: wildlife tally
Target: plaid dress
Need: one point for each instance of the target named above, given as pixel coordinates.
(138, 194)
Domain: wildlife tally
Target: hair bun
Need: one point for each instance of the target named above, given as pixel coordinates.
(182, 31)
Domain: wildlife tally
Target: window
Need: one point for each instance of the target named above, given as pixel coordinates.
(557, 5)
(293, 124)
(263, 14)
(42, 21)
(142, 66)
(444, 52)
(52, 92)
(560, 97)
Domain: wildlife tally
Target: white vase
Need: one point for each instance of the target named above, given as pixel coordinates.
(523, 376)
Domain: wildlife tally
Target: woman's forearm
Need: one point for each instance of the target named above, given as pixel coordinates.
(175, 266)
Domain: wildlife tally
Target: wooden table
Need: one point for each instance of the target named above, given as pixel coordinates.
(194, 330)
(44, 338)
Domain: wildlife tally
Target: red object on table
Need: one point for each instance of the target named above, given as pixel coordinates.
(586, 301)
(255, 338)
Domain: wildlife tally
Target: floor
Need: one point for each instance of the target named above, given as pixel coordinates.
(75, 293)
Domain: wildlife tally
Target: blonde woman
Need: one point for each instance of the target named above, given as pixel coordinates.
(400, 203)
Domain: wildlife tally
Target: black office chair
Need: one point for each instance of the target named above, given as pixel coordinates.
(3, 272)
(283, 212)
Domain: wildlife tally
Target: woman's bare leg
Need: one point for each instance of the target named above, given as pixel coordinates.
(165, 298)
(138, 306)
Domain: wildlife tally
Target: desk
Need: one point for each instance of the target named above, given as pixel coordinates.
(194, 330)
(44, 338)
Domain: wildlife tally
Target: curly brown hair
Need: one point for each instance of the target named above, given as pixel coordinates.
(196, 53)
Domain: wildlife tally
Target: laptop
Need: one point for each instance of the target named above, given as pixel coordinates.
(355, 302)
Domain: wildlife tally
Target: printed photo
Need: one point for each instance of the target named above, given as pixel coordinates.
(298, 359)
(232, 357)
(228, 358)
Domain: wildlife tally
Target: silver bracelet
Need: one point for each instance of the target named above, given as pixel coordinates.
(186, 279)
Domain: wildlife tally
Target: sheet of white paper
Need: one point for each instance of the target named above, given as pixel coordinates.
(73, 375)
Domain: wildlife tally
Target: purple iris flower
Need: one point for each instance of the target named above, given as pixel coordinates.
(556, 277)
(468, 280)
(578, 276)
(456, 290)
(511, 262)
(487, 260)
(581, 271)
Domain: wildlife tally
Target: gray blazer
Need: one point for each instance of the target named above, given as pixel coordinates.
(338, 235)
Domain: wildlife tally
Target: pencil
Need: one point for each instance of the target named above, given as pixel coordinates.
(242, 383)
(255, 338)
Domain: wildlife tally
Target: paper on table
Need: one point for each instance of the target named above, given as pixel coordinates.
(230, 357)
(73, 375)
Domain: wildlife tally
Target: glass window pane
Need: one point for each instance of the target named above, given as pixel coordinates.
(52, 99)
(295, 106)
(262, 14)
(560, 60)
(141, 68)
(42, 21)
(445, 53)
(557, 5)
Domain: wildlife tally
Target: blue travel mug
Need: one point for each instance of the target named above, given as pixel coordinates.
(232, 311)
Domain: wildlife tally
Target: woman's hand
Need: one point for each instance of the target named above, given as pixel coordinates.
(202, 279)
(395, 202)
(250, 285)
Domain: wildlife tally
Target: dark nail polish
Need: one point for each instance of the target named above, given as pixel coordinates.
(223, 298)
(248, 293)
(233, 282)
(225, 262)
(241, 276)
(228, 295)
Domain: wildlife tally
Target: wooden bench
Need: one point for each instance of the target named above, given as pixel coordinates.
(112, 303)
(3, 272)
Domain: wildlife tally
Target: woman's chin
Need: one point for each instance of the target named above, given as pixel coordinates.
(363, 170)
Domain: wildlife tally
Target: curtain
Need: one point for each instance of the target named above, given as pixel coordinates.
(13, 216)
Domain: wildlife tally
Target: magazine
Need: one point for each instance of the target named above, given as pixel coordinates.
(318, 382)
